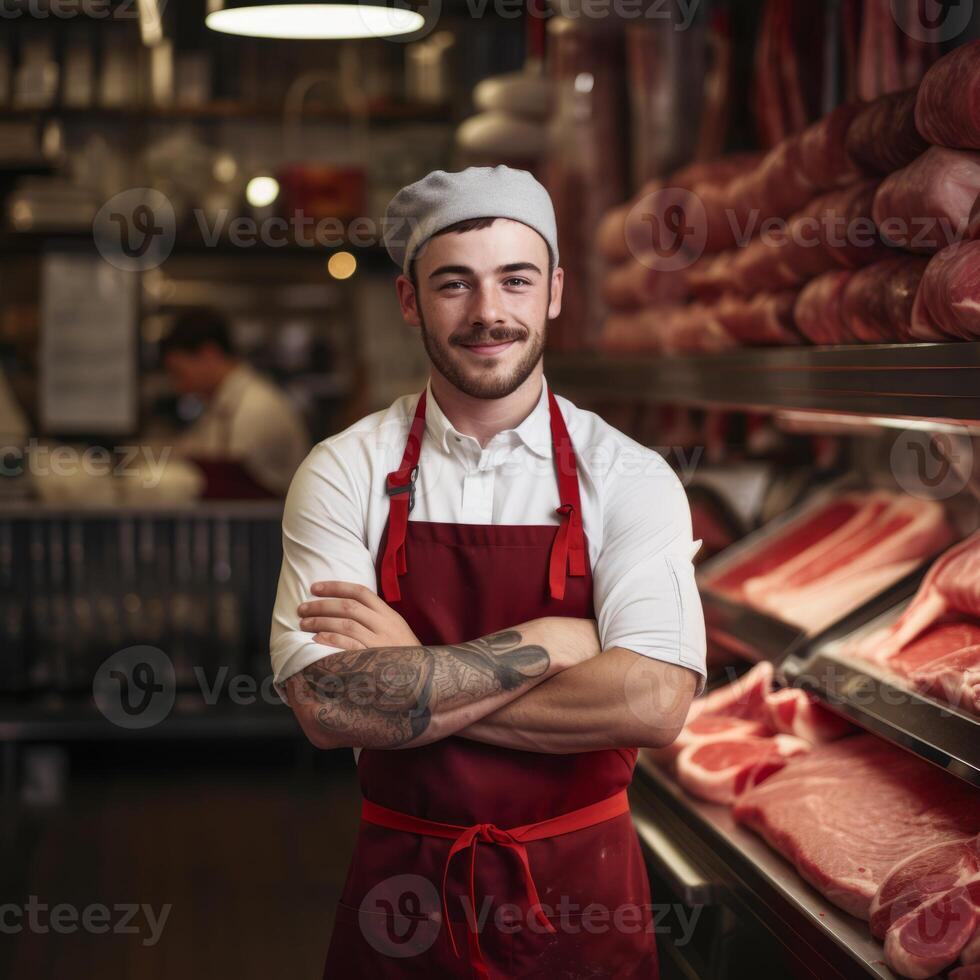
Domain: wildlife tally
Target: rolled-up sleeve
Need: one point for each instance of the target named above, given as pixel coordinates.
(322, 539)
(645, 595)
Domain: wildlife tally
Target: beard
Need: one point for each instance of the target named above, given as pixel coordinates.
(490, 383)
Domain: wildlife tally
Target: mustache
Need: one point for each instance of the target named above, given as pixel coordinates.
(498, 335)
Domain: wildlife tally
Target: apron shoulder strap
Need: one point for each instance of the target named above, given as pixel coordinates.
(568, 547)
(400, 488)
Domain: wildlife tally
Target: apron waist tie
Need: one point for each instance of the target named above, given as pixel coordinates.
(514, 838)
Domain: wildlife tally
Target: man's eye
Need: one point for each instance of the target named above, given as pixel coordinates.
(453, 282)
(519, 280)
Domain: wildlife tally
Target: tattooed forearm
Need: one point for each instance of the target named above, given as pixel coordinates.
(387, 696)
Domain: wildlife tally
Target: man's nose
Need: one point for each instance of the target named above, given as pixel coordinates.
(487, 308)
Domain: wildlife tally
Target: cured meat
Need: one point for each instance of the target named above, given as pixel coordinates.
(927, 909)
(876, 305)
(883, 137)
(878, 63)
(886, 540)
(611, 232)
(926, 206)
(817, 313)
(766, 318)
(666, 329)
(948, 301)
(845, 813)
(947, 111)
(720, 769)
(952, 584)
(823, 157)
(638, 282)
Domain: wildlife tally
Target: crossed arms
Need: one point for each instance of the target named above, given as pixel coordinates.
(544, 685)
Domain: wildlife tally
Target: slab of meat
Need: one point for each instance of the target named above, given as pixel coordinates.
(934, 644)
(817, 313)
(884, 540)
(954, 679)
(926, 206)
(952, 584)
(796, 537)
(927, 909)
(883, 137)
(876, 305)
(710, 728)
(720, 769)
(948, 301)
(845, 813)
(947, 111)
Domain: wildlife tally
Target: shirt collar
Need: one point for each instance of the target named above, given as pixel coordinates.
(534, 431)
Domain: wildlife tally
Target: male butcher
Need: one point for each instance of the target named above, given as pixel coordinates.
(488, 594)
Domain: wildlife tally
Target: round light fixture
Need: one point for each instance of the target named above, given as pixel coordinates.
(306, 21)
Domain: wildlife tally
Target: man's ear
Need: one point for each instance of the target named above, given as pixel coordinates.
(557, 284)
(408, 300)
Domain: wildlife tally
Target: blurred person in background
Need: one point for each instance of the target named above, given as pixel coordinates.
(250, 438)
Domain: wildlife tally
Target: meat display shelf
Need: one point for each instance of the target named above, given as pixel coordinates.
(931, 729)
(824, 941)
(753, 635)
(915, 381)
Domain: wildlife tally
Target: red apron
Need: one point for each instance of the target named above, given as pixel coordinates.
(529, 858)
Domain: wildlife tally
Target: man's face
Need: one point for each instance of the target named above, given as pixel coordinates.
(191, 372)
(483, 303)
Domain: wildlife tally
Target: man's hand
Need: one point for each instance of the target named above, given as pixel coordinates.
(353, 617)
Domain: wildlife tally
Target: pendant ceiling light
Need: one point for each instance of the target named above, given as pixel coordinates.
(325, 19)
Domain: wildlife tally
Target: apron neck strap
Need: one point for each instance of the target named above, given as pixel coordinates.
(568, 547)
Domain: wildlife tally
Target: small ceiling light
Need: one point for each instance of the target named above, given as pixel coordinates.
(341, 265)
(260, 192)
(322, 20)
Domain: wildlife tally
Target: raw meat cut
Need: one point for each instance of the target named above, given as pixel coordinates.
(947, 111)
(744, 698)
(611, 232)
(885, 539)
(795, 712)
(710, 728)
(948, 301)
(845, 813)
(934, 644)
(818, 309)
(928, 907)
(926, 206)
(952, 584)
(883, 137)
(876, 305)
(954, 679)
(667, 329)
(720, 769)
(794, 538)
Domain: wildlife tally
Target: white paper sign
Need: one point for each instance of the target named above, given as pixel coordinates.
(88, 345)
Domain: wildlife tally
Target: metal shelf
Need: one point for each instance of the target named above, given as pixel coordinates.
(929, 728)
(933, 381)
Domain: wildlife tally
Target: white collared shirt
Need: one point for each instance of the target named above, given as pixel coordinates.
(634, 508)
(250, 420)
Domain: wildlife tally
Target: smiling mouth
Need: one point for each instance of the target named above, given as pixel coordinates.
(490, 346)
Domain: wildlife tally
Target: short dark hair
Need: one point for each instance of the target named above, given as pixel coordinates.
(195, 328)
(467, 224)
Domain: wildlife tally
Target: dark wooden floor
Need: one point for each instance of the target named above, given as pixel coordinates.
(246, 844)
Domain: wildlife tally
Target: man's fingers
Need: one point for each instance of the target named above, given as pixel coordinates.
(338, 640)
(339, 608)
(350, 590)
(336, 624)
